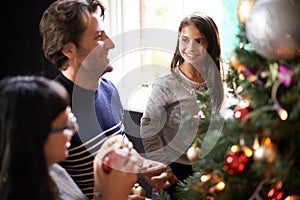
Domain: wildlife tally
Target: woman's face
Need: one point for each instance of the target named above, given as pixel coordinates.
(58, 141)
(192, 45)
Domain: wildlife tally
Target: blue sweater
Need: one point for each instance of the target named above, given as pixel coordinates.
(99, 114)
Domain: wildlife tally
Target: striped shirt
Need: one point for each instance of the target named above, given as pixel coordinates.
(99, 114)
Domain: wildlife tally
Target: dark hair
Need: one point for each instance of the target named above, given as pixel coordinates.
(209, 29)
(28, 105)
(62, 22)
(212, 69)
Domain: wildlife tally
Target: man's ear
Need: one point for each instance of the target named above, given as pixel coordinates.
(69, 49)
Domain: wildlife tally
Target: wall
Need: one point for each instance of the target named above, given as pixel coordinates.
(21, 42)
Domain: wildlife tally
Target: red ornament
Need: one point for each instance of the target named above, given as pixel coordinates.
(110, 160)
(241, 112)
(236, 162)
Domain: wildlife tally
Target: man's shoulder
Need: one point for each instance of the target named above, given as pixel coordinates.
(106, 83)
(105, 80)
(68, 84)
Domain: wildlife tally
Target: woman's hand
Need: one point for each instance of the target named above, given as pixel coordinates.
(117, 182)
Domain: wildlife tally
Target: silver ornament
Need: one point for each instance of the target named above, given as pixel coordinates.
(273, 29)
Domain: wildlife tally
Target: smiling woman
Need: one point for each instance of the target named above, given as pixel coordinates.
(167, 125)
(36, 126)
(29, 108)
(148, 62)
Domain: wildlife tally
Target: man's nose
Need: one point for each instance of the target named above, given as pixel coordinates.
(108, 43)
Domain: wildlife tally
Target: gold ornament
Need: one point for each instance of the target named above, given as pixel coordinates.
(235, 61)
(193, 153)
(243, 10)
(138, 190)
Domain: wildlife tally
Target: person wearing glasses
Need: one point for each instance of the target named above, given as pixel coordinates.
(36, 126)
(167, 125)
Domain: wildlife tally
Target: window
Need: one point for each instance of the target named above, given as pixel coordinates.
(145, 33)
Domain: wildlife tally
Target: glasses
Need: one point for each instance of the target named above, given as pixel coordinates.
(72, 125)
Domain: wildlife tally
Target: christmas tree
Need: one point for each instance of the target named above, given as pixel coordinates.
(257, 152)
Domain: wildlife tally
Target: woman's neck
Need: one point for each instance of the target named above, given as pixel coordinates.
(191, 72)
